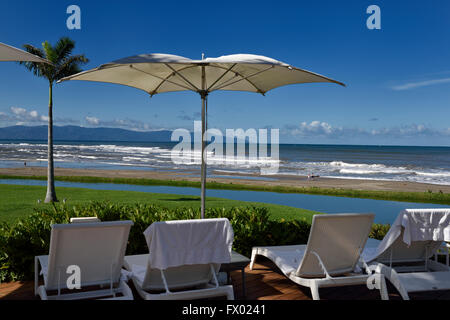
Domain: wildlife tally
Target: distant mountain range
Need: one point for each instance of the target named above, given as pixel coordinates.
(76, 133)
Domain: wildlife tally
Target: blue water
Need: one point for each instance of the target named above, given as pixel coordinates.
(397, 163)
(385, 211)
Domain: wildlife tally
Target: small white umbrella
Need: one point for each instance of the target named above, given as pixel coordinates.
(8, 53)
(158, 73)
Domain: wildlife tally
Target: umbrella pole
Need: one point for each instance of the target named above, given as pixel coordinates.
(204, 95)
(203, 173)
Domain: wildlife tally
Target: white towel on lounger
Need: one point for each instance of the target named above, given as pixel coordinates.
(418, 225)
(188, 242)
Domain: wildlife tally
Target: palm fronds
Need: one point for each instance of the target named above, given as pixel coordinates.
(64, 64)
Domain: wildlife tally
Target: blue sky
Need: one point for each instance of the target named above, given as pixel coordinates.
(398, 77)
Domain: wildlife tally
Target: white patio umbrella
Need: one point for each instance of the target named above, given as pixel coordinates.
(8, 53)
(158, 73)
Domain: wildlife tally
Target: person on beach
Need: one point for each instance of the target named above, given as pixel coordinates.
(312, 176)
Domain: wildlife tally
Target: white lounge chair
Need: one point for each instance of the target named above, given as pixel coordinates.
(331, 256)
(183, 261)
(404, 255)
(97, 248)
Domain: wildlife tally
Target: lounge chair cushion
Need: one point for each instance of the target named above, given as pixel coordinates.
(425, 281)
(286, 258)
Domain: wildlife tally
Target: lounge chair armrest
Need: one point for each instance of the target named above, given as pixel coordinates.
(42, 293)
(390, 274)
(365, 265)
(213, 271)
(322, 265)
(163, 277)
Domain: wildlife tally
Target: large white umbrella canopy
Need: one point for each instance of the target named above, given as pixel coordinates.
(8, 53)
(158, 73)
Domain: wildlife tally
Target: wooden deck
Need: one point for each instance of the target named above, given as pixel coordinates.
(265, 282)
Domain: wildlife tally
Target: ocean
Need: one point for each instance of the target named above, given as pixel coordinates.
(395, 163)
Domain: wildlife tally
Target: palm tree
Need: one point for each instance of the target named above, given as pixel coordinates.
(63, 64)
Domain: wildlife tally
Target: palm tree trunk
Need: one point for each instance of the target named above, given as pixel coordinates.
(51, 193)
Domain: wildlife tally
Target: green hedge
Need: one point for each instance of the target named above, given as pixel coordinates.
(379, 231)
(30, 237)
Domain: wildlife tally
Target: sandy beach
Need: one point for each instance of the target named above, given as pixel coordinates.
(248, 179)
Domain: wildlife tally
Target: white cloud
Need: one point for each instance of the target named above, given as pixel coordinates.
(325, 130)
(412, 85)
(34, 114)
(92, 121)
(23, 116)
(315, 128)
(128, 124)
(412, 130)
(18, 111)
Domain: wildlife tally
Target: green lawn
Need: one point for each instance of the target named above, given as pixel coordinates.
(19, 201)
